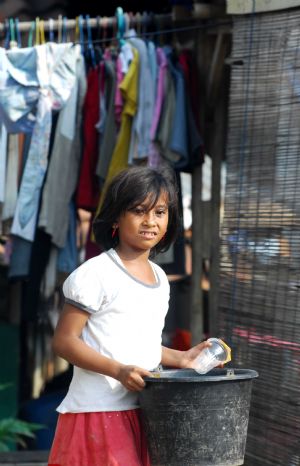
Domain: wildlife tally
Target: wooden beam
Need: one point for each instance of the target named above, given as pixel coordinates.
(241, 7)
(216, 68)
(197, 327)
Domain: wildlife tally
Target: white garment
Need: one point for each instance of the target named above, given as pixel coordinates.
(125, 324)
(3, 155)
(11, 184)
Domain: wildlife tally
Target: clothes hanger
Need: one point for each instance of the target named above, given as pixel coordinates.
(31, 33)
(138, 18)
(59, 29)
(51, 30)
(90, 47)
(144, 21)
(42, 32)
(121, 26)
(18, 33)
(12, 42)
(37, 31)
(7, 34)
(97, 48)
(64, 31)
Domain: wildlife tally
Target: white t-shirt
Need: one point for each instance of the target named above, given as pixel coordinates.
(125, 323)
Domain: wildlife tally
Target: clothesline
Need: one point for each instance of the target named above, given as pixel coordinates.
(108, 22)
(162, 31)
(144, 19)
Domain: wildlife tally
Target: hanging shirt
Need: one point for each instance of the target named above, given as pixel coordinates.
(140, 136)
(108, 141)
(196, 145)
(154, 157)
(3, 160)
(129, 88)
(11, 184)
(34, 82)
(179, 134)
(153, 63)
(65, 160)
(164, 129)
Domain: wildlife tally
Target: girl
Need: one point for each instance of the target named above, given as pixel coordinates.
(111, 325)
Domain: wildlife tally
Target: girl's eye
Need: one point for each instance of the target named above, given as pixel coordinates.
(160, 213)
(138, 211)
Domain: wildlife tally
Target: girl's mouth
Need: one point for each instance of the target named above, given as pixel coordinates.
(148, 234)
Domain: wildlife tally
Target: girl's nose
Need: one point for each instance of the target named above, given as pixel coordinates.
(149, 218)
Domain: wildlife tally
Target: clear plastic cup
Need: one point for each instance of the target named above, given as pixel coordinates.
(212, 356)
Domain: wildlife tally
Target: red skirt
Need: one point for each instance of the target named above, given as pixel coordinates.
(113, 438)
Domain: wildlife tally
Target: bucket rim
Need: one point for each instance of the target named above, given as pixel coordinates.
(190, 375)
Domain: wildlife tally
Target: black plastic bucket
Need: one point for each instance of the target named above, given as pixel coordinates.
(197, 420)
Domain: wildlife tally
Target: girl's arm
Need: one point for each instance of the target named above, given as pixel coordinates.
(68, 345)
(182, 359)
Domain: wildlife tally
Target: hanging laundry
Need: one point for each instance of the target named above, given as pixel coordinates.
(154, 158)
(88, 186)
(65, 158)
(129, 88)
(33, 82)
(140, 133)
(109, 136)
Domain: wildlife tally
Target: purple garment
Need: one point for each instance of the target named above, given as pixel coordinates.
(154, 156)
(118, 94)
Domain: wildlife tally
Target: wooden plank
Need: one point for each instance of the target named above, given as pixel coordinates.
(24, 464)
(241, 7)
(37, 457)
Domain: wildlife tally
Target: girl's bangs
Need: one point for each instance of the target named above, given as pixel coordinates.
(150, 200)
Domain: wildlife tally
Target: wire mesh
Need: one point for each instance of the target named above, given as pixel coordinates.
(259, 310)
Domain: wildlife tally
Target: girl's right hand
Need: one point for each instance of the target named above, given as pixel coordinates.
(132, 377)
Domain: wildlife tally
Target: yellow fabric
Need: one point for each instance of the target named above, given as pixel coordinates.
(129, 89)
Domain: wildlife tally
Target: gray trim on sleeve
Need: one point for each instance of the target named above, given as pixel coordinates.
(80, 306)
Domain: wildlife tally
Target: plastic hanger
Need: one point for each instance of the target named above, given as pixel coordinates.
(42, 32)
(30, 35)
(138, 18)
(97, 48)
(81, 33)
(37, 31)
(51, 30)
(144, 22)
(12, 42)
(7, 34)
(121, 25)
(64, 30)
(91, 52)
(18, 33)
(59, 29)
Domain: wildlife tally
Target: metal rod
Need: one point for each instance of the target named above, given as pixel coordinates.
(101, 22)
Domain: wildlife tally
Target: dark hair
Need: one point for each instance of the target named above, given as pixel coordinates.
(129, 189)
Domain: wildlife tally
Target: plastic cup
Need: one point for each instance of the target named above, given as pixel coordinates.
(216, 354)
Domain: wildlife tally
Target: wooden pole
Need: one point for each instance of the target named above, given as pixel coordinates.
(217, 92)
(197, 327)
(196, 312)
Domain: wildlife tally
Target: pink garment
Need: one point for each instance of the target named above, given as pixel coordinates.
(154, 156)
(118, 94)
(111, 438)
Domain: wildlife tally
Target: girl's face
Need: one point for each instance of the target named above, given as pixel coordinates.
(141, 229)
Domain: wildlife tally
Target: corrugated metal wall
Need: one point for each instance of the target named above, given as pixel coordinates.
(259, 311)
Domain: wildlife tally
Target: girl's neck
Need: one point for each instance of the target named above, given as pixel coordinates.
(127, 254)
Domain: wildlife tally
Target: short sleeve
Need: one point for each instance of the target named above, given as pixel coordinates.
(83, 289)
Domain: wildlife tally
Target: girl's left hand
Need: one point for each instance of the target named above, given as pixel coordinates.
(188, 356)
